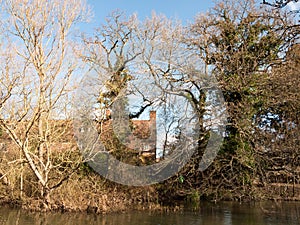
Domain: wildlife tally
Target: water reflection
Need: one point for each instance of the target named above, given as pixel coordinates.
(227, 217)
(267, 213)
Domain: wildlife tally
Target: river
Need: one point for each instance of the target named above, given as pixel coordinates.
(267, 213)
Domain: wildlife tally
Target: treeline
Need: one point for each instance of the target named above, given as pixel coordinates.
(252, 50)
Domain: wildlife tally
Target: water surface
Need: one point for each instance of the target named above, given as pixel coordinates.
(268, 213)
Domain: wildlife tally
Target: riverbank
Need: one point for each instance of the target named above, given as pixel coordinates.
(94, 194)
(87, 194)
(75, 187)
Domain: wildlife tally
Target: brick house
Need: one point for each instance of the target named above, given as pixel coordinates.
(145, 131)
(140, 143)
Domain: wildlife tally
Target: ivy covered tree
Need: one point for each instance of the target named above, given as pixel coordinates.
(241, 44)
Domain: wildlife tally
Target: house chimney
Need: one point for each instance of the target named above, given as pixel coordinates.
(153, 117)
(152, 127)
(108, 114)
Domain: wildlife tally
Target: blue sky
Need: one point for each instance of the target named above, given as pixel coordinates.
(184, 10)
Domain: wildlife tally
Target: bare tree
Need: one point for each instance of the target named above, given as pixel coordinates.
(143, 65)
(35, 84)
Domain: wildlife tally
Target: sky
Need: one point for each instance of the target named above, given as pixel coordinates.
(294, 6)
(184, 10)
